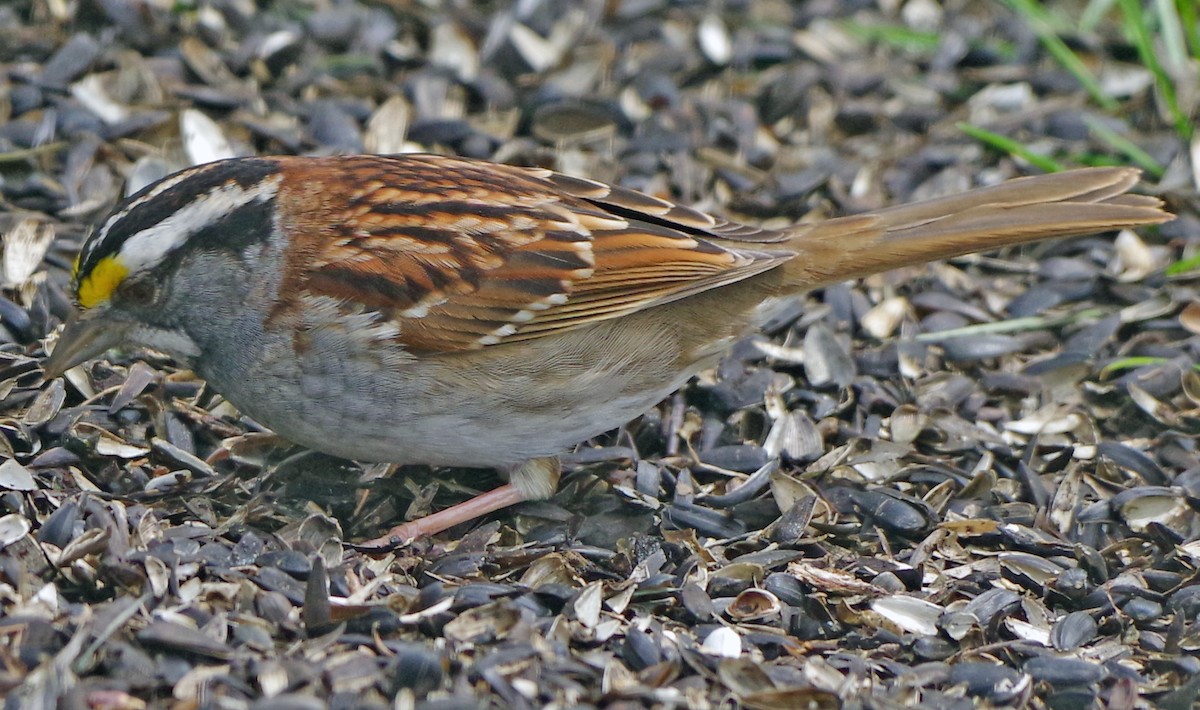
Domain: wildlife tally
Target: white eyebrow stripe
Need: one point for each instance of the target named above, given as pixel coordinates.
(159, 187)
(151, 245)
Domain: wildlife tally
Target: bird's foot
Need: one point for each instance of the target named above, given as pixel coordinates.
(535, 479)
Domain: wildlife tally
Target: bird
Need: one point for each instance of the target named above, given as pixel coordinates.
(438, 310)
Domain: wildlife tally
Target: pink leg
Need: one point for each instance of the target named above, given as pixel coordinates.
(533, 480)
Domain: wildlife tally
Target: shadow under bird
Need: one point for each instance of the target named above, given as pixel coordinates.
(436, 310)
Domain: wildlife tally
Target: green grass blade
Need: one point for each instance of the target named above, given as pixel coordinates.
(894, 35)
(1008, 145)
(1139, 29)
(1184, 266)
(1039, 22)
(1126, 147)
(1171, 31)
(1093, 13)
(1132, 363)
(1189, 19)
(1129, 363)
(1012, 325)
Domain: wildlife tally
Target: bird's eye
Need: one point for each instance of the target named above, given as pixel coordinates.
(138, 292)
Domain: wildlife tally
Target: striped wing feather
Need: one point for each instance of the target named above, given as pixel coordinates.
(464, 255)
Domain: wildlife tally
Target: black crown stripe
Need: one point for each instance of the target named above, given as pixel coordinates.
(245, 172)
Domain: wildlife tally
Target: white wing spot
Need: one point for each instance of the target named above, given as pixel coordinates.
(421, 309)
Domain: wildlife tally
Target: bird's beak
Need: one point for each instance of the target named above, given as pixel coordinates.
(83, 338)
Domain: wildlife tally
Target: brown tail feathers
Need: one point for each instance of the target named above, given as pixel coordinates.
(1071, 203)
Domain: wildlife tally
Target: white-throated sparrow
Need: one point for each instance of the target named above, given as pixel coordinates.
(438, 310)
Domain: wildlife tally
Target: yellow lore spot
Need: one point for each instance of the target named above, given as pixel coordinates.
(99, 284)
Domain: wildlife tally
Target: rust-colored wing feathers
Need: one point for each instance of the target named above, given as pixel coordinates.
(645, 208)
(464, 256)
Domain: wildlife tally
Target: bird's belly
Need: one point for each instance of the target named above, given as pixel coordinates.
(371, 425)
(470, 409)
(468, 436)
